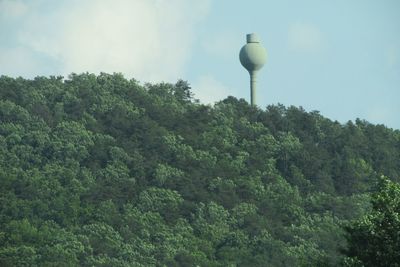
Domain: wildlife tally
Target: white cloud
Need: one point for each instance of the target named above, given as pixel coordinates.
(304, 37)
(380, 114)
(209, 90)
(16, 60)
(12, 8)
(223, 44)
(393, 56)
(150, 40)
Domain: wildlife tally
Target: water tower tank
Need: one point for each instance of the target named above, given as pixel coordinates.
(253, 57)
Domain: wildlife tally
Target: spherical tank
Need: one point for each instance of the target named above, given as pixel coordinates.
(253, 55)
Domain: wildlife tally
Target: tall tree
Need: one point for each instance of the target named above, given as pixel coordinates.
(374, 240)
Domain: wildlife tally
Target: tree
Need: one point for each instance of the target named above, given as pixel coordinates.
(98, 170)
(374, 240)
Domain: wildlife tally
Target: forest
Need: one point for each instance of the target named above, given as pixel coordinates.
(100, 170)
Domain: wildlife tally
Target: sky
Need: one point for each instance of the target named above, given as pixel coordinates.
(339, 57)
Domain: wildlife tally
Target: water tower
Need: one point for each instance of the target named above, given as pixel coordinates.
(253, 56)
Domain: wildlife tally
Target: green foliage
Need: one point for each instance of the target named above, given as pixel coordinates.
(98, 170)
(374, 239)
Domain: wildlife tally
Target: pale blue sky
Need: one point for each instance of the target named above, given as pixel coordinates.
(339, 57)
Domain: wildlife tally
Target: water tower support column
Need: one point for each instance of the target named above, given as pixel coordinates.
(253, 83)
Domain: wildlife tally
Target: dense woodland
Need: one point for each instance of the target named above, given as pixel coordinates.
(98, 170)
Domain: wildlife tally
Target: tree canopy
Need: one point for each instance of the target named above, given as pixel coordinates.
(99, 170)
(374, 239)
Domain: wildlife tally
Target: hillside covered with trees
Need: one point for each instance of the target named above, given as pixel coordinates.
(98, 170)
